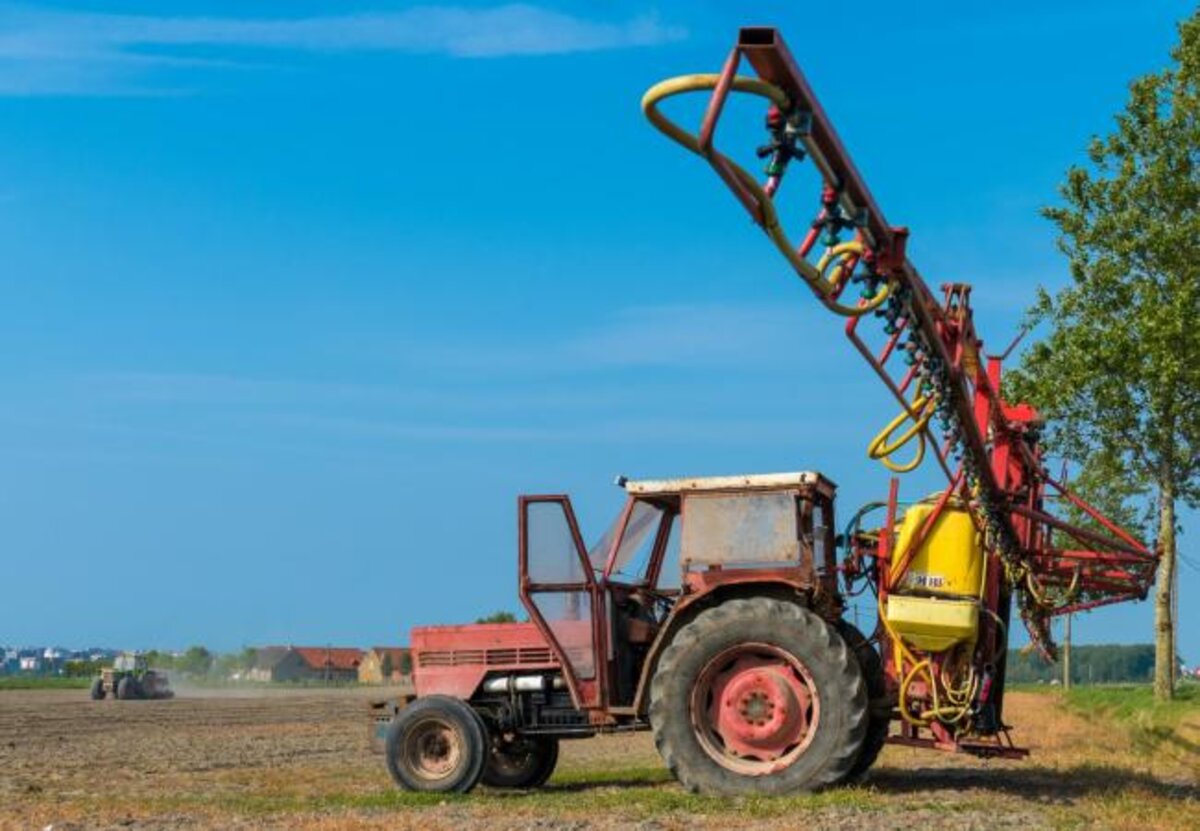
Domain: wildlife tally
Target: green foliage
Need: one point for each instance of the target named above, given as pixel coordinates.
(228, 663)
(1118, 376)
(195, 661)
(1103, 664)
(44, 682)
(1130, 702)
(82, 669)
(498, 617)
(1151, 722)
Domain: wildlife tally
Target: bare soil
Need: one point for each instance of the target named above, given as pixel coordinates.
(300, 759)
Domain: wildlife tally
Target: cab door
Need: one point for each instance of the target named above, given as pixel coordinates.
(559, 590)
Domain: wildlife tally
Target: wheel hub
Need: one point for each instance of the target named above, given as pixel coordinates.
(434, 750)
(760, 708)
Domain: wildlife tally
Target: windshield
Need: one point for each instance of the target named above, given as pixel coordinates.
(636, 545)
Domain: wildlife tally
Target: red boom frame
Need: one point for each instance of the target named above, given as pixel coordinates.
(987, 448)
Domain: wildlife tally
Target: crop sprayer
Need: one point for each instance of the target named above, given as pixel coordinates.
(712, 611)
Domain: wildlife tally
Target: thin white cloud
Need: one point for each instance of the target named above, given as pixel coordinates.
(44, 52)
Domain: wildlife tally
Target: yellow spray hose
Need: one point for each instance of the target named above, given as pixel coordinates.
(883, 445)
(814, 276)
(902, 654)
(1041, 596)
(960, 699)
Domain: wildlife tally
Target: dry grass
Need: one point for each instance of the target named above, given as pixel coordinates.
(299, 760)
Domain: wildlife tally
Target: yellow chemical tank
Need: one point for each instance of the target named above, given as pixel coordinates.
(950, 560)
(936, 604)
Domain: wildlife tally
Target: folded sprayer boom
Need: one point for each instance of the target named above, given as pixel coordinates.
(931, 358)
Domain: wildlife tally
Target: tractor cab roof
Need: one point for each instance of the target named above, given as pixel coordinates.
(801, 480)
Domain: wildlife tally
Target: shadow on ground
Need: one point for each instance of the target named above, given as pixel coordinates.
(1040, 784)
(1035, 783)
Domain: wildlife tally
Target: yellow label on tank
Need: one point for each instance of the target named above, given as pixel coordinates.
(949, 561)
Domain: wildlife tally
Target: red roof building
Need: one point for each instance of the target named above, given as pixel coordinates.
(307, 663)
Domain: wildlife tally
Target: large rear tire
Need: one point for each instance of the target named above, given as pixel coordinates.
(758, 696)
(879, 711)
(437, 744)
(522, 762)
(127, 688)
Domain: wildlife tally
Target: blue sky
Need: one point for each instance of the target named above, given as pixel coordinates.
(295, 306)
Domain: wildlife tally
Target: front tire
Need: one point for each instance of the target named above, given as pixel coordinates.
(98, 689)
(758, 696)
(436, 744)
(523, 762)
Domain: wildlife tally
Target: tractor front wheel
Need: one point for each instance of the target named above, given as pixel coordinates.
(438, 744)
(758, 696)
(520, 761)
(98, 689)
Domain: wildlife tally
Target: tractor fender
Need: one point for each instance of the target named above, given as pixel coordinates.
(729, 587)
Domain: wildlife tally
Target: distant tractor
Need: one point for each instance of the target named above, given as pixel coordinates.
(130, 677)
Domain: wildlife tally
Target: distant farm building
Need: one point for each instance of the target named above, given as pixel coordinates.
(306, 663)
(385, 665)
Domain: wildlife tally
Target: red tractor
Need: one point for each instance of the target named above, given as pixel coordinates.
(709, 613)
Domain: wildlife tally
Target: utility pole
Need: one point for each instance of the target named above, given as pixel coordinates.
(1067, 655)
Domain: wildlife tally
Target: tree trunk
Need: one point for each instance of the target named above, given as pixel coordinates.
(1164, 623)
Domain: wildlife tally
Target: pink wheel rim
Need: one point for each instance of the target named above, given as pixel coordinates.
(755, 708)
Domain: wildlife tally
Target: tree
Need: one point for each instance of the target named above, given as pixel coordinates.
(1118, 376)
(498, 617)
(157, 659)
(81, 668)
(195, 661)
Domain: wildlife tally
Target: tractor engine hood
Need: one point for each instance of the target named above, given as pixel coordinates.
(454, 660)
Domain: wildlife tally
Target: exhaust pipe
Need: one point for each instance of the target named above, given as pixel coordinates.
(522, 683)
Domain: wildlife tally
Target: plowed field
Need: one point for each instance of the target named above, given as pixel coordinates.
(299, 759)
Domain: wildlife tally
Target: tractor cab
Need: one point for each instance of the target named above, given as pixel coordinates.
(130, 662)
(603, 609)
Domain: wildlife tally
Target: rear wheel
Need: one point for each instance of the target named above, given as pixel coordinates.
(879, 715)
(127, 688)
(98, 689)
(437, 744)
(758, 696)
(520, 761)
